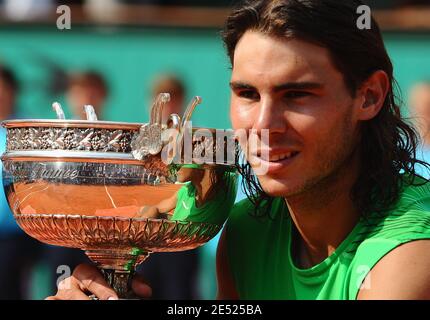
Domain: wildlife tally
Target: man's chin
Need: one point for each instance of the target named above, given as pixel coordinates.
(283, 191)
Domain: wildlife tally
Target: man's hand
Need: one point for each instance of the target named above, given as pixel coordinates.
(87, 280)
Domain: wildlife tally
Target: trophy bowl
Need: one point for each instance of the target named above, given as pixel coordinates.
(109, 189)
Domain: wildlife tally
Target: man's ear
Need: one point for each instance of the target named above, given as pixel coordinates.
(372, 95)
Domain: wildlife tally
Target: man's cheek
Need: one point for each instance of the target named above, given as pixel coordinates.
(243, 115)
(241, 122)
(236, 120)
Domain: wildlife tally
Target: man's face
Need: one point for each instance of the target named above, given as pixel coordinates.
(189, 174)
(420, 105)
(291, 88)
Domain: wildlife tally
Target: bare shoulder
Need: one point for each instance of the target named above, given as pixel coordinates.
(404, 273)
(226, 287)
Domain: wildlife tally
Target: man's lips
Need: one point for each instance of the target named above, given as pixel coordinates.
(275, 156)
(275, 163)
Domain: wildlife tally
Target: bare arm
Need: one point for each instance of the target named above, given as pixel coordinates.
(226, 288)
(163, 207)
(403, 274)
(167, 204)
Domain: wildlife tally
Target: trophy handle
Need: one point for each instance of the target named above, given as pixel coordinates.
(187, 116)
(157, 108)
(175, 120)
(190, 109)
(90, 113)
(58, 110)
(150, 138)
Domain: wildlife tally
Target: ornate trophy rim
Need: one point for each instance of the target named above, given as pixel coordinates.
(116, 244)
(70, 156)
(83, 124)
(60, 140)
(56, 123)
(117, 233)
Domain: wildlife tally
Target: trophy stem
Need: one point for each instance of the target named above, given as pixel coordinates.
(120, 281)
(118, 268)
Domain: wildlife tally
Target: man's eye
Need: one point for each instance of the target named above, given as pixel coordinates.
(296, 94)
(249, 94)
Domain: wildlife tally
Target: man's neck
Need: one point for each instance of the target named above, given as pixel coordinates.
(324, 215)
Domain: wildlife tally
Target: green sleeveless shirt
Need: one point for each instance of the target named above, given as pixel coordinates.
(260, 259)
(215, 211)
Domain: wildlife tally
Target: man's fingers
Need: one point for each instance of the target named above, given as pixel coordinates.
(69, 289)
(90, 279)
(140, 288)
(71, 295)
(85, 279)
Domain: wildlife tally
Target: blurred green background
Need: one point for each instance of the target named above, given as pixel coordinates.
(130, 59)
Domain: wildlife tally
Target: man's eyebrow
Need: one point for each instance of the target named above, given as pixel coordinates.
(238, 85)
(298, 86)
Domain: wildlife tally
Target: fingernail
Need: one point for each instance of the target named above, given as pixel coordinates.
(112, 298)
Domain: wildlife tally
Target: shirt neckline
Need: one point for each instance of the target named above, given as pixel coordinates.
(317, 272)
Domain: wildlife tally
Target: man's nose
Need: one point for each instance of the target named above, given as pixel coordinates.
(270, 117)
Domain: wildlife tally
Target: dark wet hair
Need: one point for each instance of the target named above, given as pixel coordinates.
(388, 143)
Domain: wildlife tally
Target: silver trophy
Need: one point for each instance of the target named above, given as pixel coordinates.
(117, 190)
